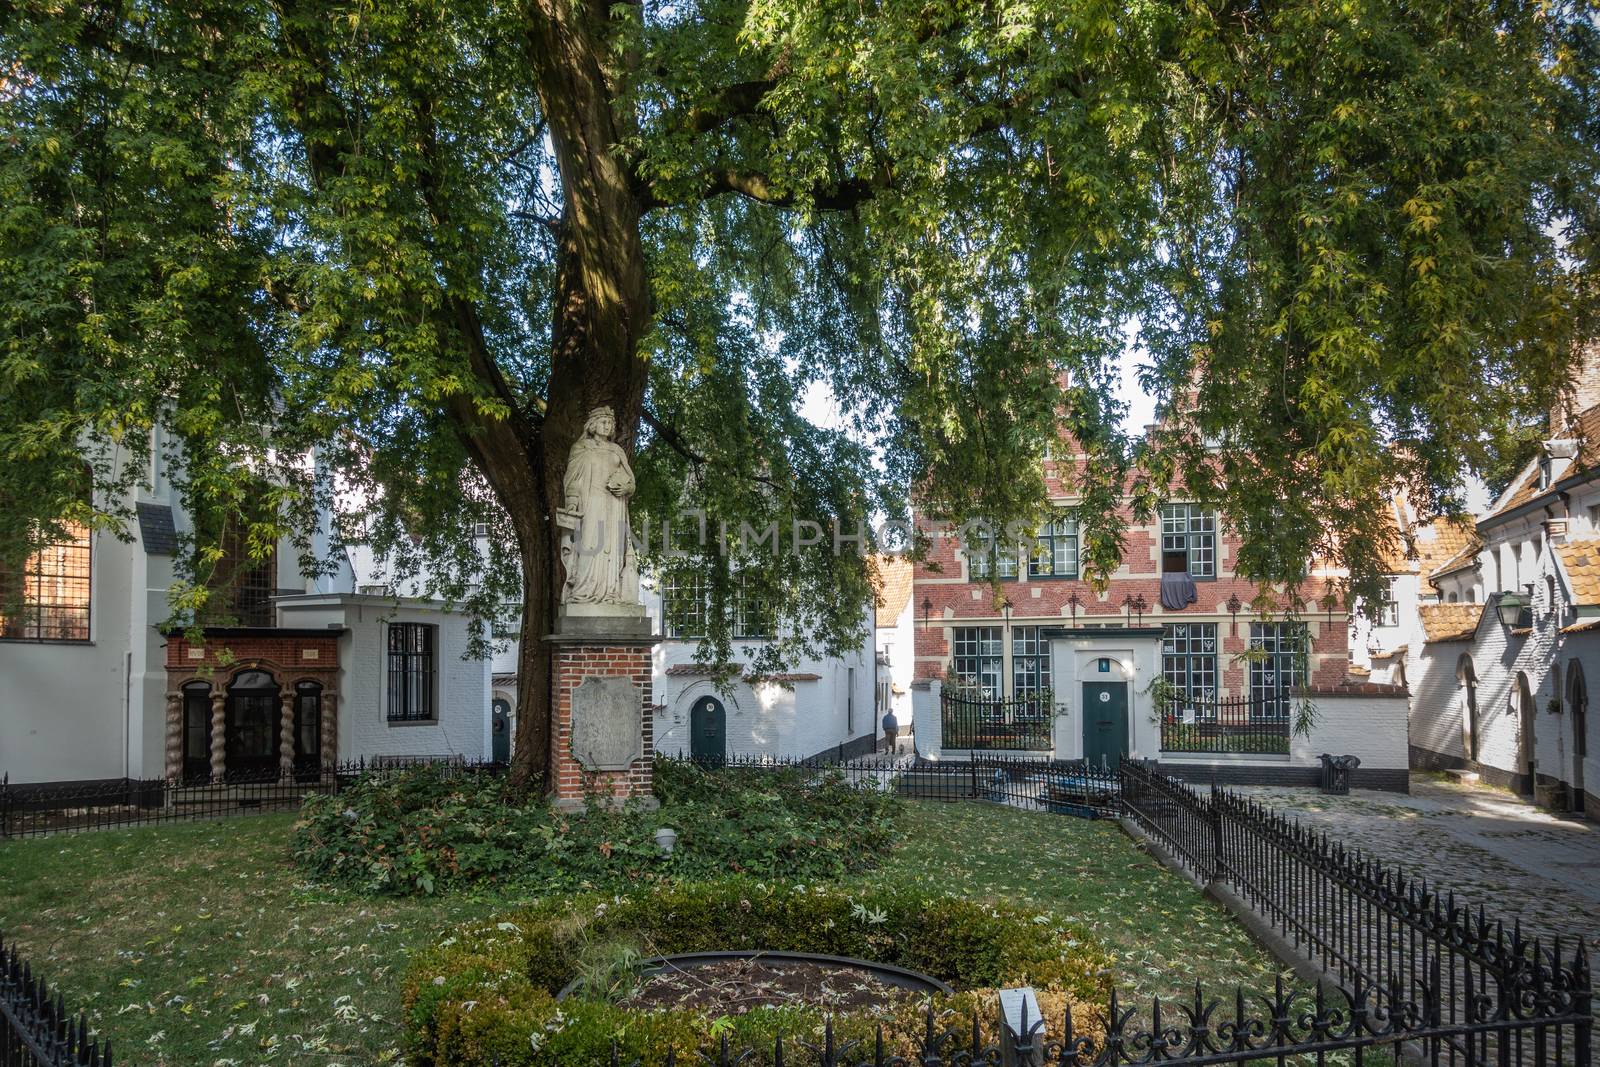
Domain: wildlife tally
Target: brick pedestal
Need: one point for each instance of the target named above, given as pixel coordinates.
(595, 655)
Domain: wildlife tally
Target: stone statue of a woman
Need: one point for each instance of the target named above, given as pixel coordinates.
(598, 549)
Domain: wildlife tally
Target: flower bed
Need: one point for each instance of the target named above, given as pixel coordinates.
(488, 993)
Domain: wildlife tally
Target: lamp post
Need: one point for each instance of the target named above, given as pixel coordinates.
(927, 606)
(1139, 604)
(1073, 602)
(1234, 604)
(1005, 648)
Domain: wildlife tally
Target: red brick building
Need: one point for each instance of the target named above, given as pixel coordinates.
(1172, 612)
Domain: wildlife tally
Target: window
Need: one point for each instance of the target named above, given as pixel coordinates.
(242, 586)
(1277, 667)
(1030, 661)
(752, 615)
(1189, 540)
(1189, 663)
(685, 600)
(686, 605)
(410, 672)
(48, 600)
(1389, 607)
(979, 657)
(1055, 550)
(986, 557)
(850, 701)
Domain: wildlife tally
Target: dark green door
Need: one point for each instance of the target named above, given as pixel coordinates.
(708, 730)
(501, 749)
(1105, 722)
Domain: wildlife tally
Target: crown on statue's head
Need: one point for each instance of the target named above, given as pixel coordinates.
(603, 409)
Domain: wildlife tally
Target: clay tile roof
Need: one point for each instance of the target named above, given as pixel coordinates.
(1580, 559)
(1356, 671)
(1450, 622)
(894, 587)
(1526, 488)
(1582, 626)
(1467, 557)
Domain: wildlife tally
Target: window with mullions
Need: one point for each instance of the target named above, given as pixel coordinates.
(1189, 664)
(752, 615)
(1277, 667)
(979, 657)
(1054, 553)
(410, 672)
(1389, 607)
(1189, 540)
(1030, 661)
(987, 556)
(685, 603)
(48, 598)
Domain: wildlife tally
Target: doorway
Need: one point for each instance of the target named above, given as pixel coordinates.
(307, 731)
(1105, 723)
(1578, 703)
(251, 727)
(196, 732)
(1527, 762)
(708, 730)
(500, 745)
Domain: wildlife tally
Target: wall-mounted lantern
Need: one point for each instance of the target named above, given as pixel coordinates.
(1511, 606)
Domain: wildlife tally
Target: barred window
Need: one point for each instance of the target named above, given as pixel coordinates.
(410, 672)
(1030, 661)
(988, 556)
(979, 657)
(1277, 666)
(1189, 664)
(1055, 550)
(48, 598)
(1189, 540)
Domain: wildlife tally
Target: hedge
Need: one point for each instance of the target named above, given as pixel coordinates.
(486, 994)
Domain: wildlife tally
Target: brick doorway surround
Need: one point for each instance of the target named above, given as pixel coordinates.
(289, 656)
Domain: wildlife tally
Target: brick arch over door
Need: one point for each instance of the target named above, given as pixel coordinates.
(182, 731)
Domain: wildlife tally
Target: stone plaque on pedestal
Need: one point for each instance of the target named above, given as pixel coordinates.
(607, 723)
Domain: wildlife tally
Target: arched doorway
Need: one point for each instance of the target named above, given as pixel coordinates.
(196, 732)
(1578, 708)
(500, 738)
(708, 730)
(251, 726)
(1526, 749)
(1467, 679)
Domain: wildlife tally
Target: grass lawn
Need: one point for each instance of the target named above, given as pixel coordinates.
(200, 944)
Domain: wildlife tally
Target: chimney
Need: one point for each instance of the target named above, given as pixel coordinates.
(1584, 392)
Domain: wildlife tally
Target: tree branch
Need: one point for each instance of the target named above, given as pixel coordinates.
(674, 440)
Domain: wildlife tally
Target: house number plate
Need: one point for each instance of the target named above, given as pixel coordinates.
(1105, 698)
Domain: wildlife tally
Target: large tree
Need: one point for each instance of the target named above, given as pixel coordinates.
(1354, 238)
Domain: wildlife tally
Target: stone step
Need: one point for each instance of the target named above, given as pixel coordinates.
(1464, 776)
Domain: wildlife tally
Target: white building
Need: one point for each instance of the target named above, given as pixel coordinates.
(311, 673)
(820, 706)
(1499, 686)
(896, 643)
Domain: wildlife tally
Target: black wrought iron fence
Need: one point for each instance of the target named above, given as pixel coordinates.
(1241, 724)
(972, 721)
(35, 1027)
(1494, 995)
(31, 810)
(1071, 787)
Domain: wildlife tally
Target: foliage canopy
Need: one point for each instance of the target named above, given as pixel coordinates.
(1355, 239)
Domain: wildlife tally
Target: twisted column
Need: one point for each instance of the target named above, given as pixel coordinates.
(219, 724)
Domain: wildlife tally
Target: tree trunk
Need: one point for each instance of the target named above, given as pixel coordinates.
(602, 311)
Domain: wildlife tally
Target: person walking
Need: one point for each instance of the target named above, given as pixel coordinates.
(891, 730)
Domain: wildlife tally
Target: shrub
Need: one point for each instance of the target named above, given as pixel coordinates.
(426, 829)
(487, 993)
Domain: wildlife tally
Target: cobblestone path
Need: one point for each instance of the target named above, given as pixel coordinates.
(1488, 845)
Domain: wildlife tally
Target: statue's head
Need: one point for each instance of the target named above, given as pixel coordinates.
(601, 423)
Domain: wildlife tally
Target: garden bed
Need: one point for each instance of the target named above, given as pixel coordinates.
(493, 993)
